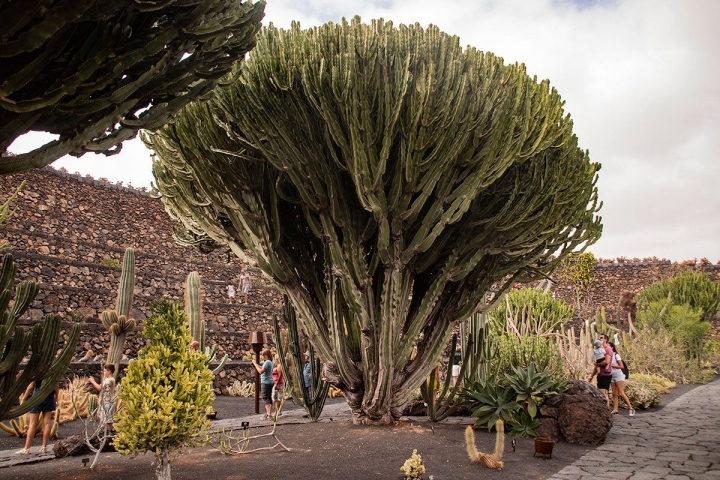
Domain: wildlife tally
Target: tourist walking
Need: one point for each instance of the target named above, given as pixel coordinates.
(266, 381)
(457, 359)
(245, 284)
(306, 369)
(230, 292)
(618, 382)
(603, 369)
(47, 408)
(278, 385)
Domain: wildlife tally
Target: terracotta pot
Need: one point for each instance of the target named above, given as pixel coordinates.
(544, 447)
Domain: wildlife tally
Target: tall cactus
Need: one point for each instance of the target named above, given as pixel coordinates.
(118, 321)
(311, 398)
(14, 343)
(193, 310)
(385, 178)
(473, 338)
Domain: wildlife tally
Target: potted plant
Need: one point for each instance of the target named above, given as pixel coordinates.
(544, 447)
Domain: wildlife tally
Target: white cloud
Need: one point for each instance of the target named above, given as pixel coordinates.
(640, 79)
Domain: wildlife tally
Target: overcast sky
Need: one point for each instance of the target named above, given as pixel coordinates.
(640, 79)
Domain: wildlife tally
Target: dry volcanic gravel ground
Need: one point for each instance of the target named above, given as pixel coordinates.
(326, 449)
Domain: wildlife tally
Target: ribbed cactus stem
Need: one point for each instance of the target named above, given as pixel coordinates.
(312, 398)
(193, 308)
(14, 344)
(127, 283)
(118, 326)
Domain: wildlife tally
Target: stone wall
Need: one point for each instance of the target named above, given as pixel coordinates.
(69, 233)
(613, 277)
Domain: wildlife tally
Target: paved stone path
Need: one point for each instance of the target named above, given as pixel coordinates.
(680, 441)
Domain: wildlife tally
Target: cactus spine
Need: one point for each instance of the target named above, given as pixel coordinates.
(118, 321)
(14, 343)
(193, 310)
(311, 398)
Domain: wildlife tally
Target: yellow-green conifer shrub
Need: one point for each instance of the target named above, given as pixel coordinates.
(165, 392)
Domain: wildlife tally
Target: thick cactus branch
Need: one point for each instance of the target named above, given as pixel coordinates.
(95, 73)
(193, 310)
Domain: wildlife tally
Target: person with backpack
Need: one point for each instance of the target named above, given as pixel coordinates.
(618, 382)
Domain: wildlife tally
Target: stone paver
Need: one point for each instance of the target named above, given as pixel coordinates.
(681, 441)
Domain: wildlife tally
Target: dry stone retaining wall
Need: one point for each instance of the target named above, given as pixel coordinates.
(614, 277)
(70, 233)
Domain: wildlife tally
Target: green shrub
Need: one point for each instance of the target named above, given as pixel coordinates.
(109, 262)
(513, 351)
(711, 351)
(654, 351)
(642, 395)
(684, 323)
(689, 288)
(661, 384)
(165, 392)
(529, 311)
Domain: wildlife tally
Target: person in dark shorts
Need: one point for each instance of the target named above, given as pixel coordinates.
(47, 408)
(603, 369)
(266, 381)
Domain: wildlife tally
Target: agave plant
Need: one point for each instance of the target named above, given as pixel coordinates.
(530, 386)
(494, 401)
(524, 426)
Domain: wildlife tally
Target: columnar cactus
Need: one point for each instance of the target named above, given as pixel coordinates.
(118, 321)
(14, 343)
(292, 361)
(193, 310)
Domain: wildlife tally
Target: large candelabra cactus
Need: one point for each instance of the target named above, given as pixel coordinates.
(42, 341)
(385, 178)
(118, 321)
(193, 310)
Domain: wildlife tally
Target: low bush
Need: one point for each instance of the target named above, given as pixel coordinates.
(653, 350)
(684, 323)
(642, 395)
(661, 384)
(514, 351)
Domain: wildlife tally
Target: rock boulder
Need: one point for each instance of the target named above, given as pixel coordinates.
(580, 415)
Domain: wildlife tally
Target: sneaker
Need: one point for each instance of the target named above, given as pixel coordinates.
(632, 412)
(615, 413)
